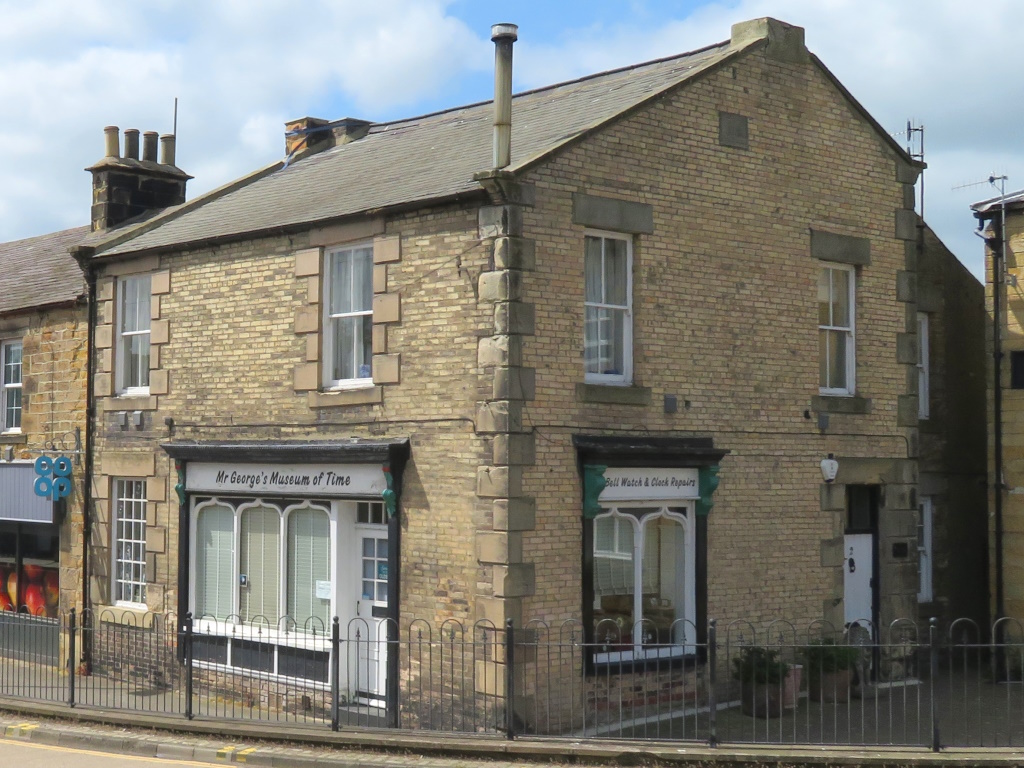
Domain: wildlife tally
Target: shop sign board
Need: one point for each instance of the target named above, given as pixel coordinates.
(18, 499)
(652, 484)
(345, 480)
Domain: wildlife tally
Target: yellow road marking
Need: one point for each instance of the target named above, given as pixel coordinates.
(244, 753)
(225, 753)
(19, 731)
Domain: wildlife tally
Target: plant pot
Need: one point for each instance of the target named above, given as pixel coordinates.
(763, 700)
(829, 687)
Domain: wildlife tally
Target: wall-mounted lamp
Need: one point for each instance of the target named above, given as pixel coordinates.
(829, 468)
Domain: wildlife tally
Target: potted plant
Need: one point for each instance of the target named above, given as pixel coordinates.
(761, 674)
(829, 670)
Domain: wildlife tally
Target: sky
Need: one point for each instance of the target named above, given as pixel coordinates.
(241, 68)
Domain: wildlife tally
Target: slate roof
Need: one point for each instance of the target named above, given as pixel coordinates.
(421, 159)
(1011, 200)
(40, 271)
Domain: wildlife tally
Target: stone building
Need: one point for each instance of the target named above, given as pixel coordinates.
(1002, 223)
(44, 326)
(415, 372)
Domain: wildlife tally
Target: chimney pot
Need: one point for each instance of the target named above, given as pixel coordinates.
(131, 143)
(503, 35)
(167, 149)
(149, 140)
(112, 141)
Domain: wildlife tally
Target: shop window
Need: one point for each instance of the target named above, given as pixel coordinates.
(260, 565)
(261, 586)
(10, 386)
(309, 567)
(642, 572)
(133, 321)
(130, 542)
(29, 568)
(836, 347)
(348, 320)
(607, 322)
(214, 562)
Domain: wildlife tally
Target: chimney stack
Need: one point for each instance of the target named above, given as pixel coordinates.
(503, 35)
(123, 186)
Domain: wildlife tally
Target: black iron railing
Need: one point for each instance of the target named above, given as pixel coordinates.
(904, 684)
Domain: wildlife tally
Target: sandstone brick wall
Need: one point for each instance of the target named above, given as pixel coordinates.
(725, 319)
(236, 360)
(54, 349)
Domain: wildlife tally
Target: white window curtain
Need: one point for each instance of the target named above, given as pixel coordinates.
(215, 568)
(350, 311)
(133, 329)
(606, 332)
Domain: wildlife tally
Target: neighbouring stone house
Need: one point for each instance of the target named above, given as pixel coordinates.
(1002, 222)
(44, 326)
(589, 378)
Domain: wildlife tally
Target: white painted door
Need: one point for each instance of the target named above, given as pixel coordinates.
(857, 570)
(371, 609)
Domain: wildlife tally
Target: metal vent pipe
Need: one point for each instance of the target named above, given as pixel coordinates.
(503, 35)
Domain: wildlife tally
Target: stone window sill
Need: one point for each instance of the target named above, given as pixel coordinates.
(604, 393)
(341, 397)
(132, 402)
(13, 438)
(857, 406)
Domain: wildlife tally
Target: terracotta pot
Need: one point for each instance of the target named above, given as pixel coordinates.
(762, 700)
(831, 687)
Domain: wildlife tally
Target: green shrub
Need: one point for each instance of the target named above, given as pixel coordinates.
(826, 656)
(758, 666)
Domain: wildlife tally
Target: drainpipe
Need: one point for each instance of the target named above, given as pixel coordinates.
(503, 35)
(998, 266)
(81, 255)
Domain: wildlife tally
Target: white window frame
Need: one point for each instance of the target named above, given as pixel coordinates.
(923, 367)
(327, 344)
(8, 388)
(626, 377)
(925, 550)
(851, 333)
(687, 622)
(135, 505)
(121, 372)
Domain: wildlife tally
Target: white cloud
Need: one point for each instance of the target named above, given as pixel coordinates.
(69, 67)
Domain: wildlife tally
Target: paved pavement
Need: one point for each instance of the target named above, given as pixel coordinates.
(289, 746)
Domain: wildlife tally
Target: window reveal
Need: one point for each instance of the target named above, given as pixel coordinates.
(10, 386)
(349, 317)
(134, 309)
(836, 366)
(923, 381)
(607, 324)
(643, 581)
(129, 542)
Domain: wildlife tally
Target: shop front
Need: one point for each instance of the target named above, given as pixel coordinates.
(281, 539)
(29, 562)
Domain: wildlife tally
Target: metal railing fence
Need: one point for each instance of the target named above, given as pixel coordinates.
(905, 684)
